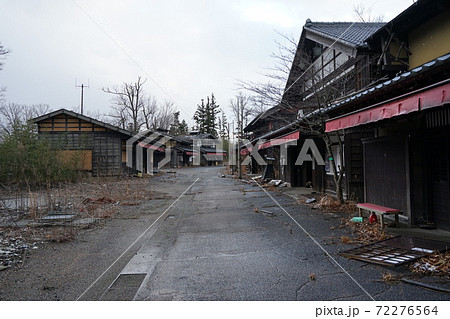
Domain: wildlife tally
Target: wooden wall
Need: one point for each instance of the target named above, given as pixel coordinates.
(103, 146)
(66, 123)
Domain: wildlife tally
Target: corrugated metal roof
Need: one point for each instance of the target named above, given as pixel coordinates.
(354, 33)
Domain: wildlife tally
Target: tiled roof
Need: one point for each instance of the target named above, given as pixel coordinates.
(354, 33)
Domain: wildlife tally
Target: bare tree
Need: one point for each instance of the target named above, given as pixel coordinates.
(134, 109)
(128, 104)
(12, 115)
(165, 115)
(364, 14)
(3, 53)
(97, 115)
(150, 112)
(270, 93)
(310, 91)
(242, 109)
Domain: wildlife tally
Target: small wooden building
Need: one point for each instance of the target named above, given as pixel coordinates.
(99, 147)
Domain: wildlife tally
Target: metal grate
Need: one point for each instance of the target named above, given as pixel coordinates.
(438, 118)
(395, 251)
(381, 254)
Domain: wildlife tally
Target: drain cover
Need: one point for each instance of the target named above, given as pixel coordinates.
(128, 281)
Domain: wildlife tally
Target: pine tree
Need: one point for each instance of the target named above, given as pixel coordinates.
(223, 126)
(183, 128)
(200, 117)
(205, 116)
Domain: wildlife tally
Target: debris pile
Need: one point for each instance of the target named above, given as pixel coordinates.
(12, 251)
(102, 200)
(330, 205)
(437, 264)
(365, 232)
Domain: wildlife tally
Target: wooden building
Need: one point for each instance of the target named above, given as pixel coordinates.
(332, 59)
(99, 147)
(398, 131)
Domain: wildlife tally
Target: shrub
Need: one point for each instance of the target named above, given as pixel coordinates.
(28, 159)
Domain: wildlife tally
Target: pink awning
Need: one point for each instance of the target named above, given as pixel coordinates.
(280, 140)
(150, 146)
(419, 101)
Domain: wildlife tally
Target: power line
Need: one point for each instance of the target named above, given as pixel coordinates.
(129, 56)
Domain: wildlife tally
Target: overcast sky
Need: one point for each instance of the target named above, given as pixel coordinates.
(186, 49)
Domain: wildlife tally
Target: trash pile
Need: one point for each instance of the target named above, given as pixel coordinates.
(365, 232)
(12, 251)
(437, 264)
(330, 205)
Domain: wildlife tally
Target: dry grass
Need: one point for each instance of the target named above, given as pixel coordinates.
(57, 234)
(330, 205)
(388, 277)
(96, 198)
(365, 232)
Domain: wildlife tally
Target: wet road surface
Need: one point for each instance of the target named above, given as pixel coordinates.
(221, 239)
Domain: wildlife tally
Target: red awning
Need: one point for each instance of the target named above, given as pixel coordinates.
(248, 148)
(280, 140)
(245, 151)
(150, 146)
(419, 101)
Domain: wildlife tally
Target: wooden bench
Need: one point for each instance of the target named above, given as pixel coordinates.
(380, 210)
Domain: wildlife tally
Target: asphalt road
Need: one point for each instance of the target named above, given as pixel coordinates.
(221, 239)
(208, 238)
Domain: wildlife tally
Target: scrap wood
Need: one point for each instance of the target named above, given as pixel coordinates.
(425, 285)
(102, 200)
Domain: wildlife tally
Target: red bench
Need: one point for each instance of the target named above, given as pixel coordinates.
(380, 210)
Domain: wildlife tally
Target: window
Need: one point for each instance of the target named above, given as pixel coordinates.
(337, 160)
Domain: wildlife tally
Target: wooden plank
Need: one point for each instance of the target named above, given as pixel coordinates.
(83, 158)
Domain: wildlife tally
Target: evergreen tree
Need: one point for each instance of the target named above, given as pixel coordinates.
(183, 128)
(200, 117)
(205, 116)
(223, 126)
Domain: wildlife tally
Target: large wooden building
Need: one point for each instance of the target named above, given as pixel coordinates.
(398, 132)
(100, 147)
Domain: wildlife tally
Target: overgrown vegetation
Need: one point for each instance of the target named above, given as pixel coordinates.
(29, 161)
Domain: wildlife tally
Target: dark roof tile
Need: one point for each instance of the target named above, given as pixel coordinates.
(354, 33)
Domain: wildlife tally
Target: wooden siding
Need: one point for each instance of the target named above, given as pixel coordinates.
(83, 157)
(67, 123)
(385, 173)
(102, 149)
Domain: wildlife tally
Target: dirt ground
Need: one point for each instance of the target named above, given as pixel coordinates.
(110, 213)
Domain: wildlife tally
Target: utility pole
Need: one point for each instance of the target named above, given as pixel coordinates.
(82, 86)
